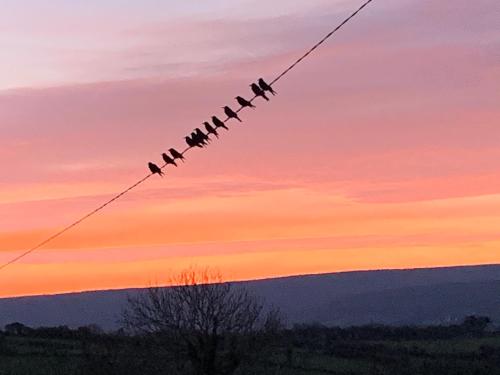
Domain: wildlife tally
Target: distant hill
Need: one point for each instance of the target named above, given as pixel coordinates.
(421, 296)
(434, 304)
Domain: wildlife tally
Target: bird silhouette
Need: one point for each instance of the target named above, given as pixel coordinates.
(243, 102)
(168, 160)
(265, 86)
(258, 91)
(230, 113)
(196, 140)
(155, 169)
(191, 142)
(176, 154)
(219, 123)
(202, 136)
(210, 129)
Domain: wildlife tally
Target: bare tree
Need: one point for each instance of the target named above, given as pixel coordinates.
(208, 322)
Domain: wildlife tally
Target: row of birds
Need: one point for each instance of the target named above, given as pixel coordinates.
(200, 139)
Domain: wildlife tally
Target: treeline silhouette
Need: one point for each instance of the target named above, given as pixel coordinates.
(313, 335)
(472, 326)
(301, 349)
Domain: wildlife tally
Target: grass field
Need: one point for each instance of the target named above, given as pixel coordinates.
(35, 356)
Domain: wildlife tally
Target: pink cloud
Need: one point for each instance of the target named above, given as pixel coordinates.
(393, 124)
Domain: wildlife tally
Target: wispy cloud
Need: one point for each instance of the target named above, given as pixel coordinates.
(384, 144)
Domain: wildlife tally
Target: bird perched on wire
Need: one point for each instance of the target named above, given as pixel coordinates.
(197, 140)
(230, 113)
(168, 160)
(258, 91)
(210, 129)
(219, 123)
(176, 154)
(189, 141)
(192, 141)
(265, 86)
(202, 136)
(243, 102)
(155, 169)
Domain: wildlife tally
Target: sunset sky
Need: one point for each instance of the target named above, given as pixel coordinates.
(381, 151)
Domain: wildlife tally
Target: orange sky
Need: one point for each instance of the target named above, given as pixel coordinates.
(381, 151)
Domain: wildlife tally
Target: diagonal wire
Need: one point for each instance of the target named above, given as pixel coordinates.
(325, 38)
(119, 195)
(75, 223)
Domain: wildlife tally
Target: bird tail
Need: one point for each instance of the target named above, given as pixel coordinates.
(237, 118)
(161, 173)
(272, 90)
(265, 97)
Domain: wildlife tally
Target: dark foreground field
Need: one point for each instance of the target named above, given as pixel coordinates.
(303, 350)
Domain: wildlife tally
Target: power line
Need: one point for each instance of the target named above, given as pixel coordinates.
(119, 195)
(74, 224)
(325, 38)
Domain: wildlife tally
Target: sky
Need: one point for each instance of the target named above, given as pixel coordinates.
(382, 150)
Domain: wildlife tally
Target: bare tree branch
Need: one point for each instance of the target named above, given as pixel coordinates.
(204, 318)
